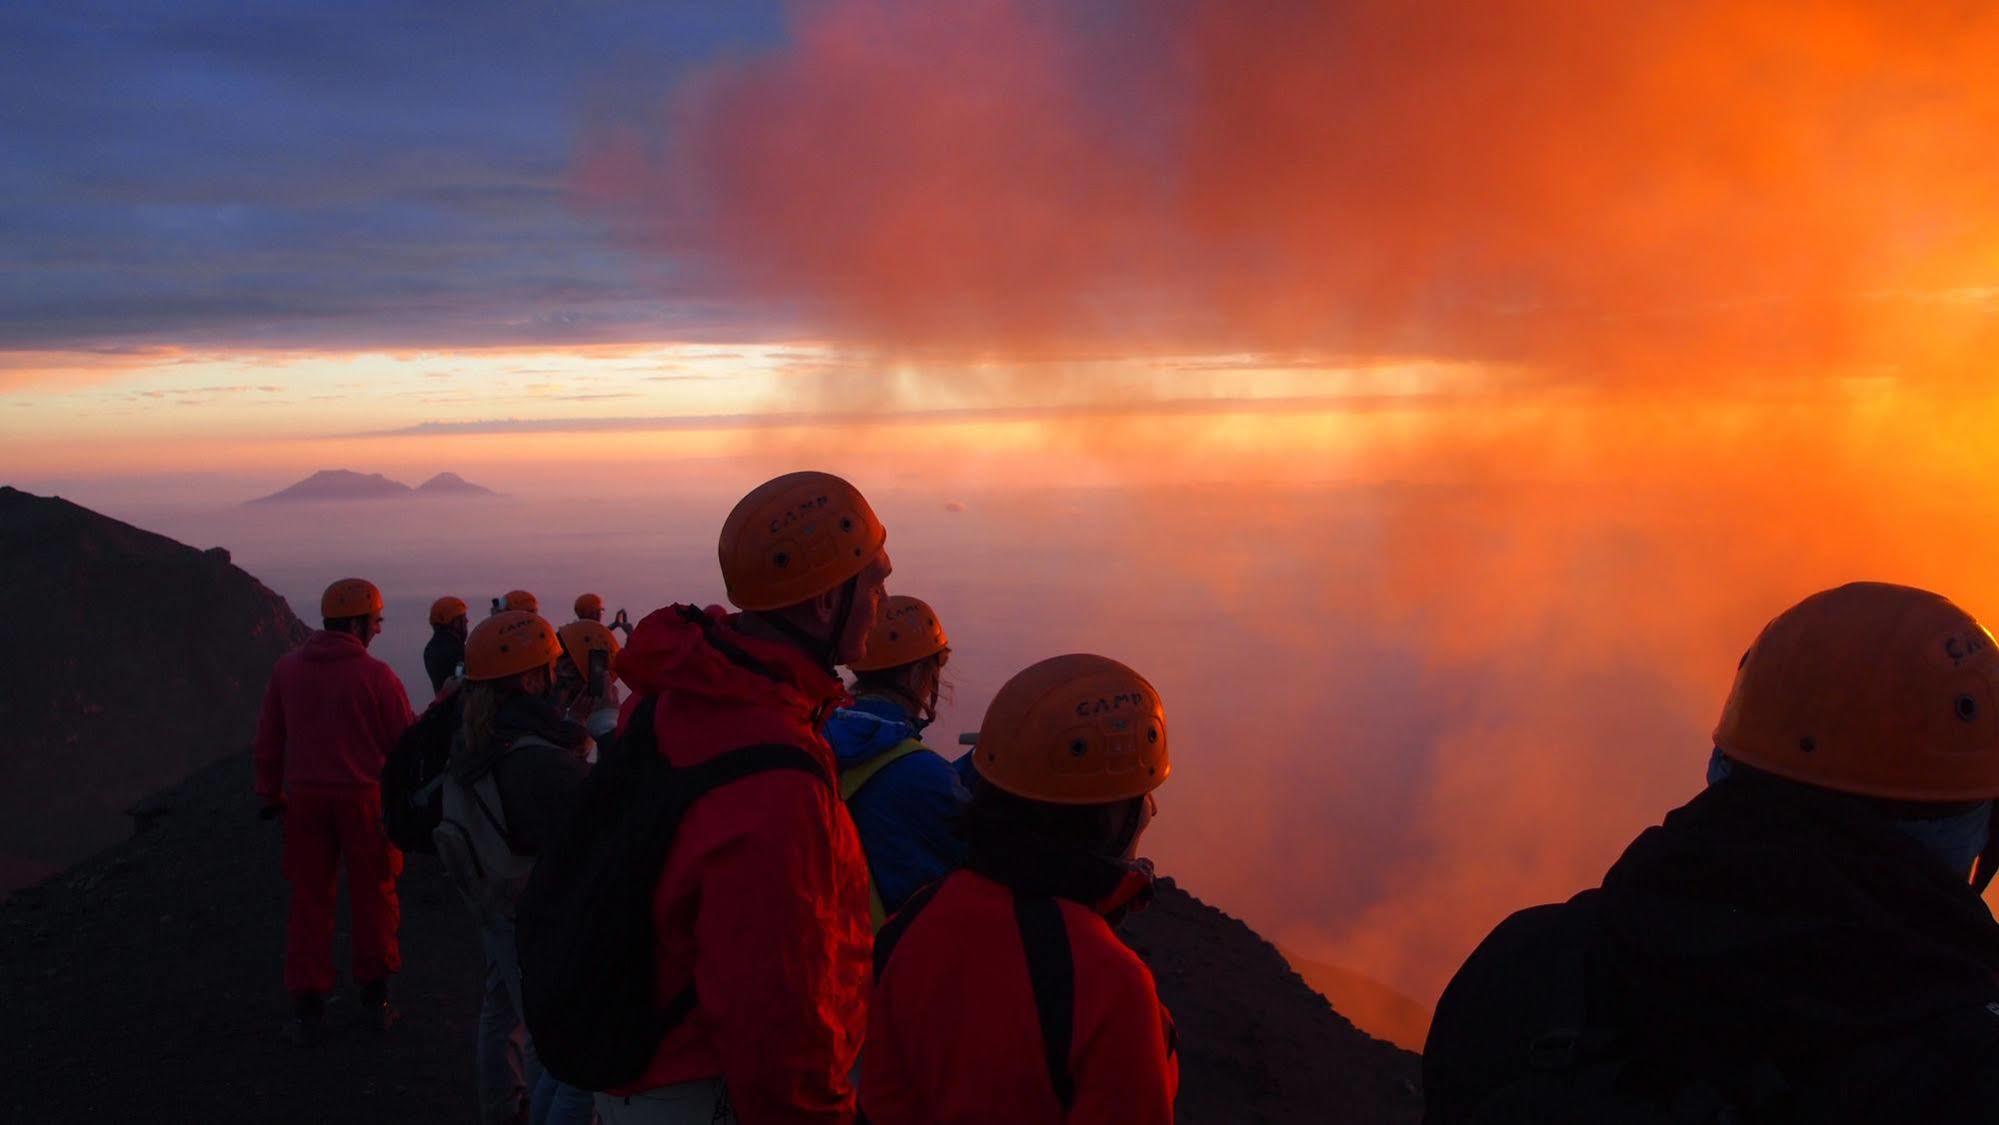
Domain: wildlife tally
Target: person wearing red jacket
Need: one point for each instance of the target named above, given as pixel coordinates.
(331, 714)
(763, 899)
(1002, 993)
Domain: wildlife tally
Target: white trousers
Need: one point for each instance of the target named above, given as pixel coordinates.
(704, 1102)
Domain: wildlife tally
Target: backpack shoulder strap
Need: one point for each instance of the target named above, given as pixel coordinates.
(854, 780)
(891, 933)
(1051, 969)
(694, 782)
(744, 761)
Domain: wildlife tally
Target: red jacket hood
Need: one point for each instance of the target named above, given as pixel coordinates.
(325, 645)
(671, 650)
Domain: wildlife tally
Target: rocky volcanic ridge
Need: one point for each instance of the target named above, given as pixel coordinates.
(144, 984)
(344, 484)
(129, 661)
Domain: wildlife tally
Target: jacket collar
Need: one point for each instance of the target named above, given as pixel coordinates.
(690, 651)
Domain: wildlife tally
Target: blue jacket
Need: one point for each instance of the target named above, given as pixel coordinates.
(907, 814)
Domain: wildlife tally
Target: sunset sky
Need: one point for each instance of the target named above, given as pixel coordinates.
(239, 240)
(1601, 333)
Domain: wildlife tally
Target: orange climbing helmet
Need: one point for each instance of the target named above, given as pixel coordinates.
(580, 638)
(508, 643)
(589, 607)
(1872, 689)
(796, 537)
(1075, 730)
(906, 632)
(447, 609)
(350, 597)
(520, 600)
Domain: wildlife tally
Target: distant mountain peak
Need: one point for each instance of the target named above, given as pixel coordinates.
(346, 484)
(453, 484)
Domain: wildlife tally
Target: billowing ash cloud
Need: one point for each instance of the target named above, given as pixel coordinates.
(1663, 191)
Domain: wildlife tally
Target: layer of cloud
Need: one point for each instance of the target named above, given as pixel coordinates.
(1658, 192)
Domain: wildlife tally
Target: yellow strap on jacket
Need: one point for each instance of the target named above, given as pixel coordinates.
(853, 781)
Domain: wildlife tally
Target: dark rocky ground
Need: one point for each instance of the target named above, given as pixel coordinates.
(143, 984)
(129, 661)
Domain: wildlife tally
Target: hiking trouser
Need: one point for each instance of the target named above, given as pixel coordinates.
(556, 1102)
(508, 1068)
(705, 1102)
(322, 829)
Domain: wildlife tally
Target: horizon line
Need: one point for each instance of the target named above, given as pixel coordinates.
(780, 419)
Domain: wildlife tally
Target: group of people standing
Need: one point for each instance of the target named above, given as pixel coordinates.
(837, 908)
(953, 916)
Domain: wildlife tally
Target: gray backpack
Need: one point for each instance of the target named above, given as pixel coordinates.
(475, 845)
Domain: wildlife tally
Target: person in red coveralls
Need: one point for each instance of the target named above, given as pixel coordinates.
(763, 899)
(1001, 992)
(331, 715)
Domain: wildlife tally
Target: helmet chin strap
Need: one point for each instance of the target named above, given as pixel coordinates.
(1988, 860)
(826, 649)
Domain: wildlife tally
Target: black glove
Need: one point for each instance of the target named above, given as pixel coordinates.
(271, 811)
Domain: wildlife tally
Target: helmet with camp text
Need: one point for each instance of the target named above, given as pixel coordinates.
(796, 537)
(1872, 689)
(508, 643)
(1074, 730)
(906, 632)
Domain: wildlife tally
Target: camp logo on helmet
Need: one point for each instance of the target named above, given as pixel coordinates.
(1960, 647)
(1090, 707)
(804, 508)
(512, 627)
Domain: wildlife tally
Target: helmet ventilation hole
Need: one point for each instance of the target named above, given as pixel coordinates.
(1967, 708)
(1079, 748)
(1808, 744)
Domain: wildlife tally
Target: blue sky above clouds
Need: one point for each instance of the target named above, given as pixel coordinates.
(309, 174)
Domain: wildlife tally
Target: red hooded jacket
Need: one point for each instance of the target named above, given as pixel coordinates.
(331, 714)
(765, 890)
(954, 1037)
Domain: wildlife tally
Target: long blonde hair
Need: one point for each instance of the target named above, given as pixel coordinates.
(482, 706)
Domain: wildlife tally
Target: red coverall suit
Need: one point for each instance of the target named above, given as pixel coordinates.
(331, 715)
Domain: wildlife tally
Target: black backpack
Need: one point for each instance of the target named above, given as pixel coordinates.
(413, 774)
(584, 927)
(1518, 1040)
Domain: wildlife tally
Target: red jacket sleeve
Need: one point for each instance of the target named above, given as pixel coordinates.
(781, 956)
(269, 755)
(1127, 1070)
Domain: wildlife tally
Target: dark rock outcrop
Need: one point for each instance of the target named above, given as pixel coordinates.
(129, 661)
(1256, 1043)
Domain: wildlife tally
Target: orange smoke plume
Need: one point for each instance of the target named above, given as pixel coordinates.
(1677, 191)
(1736, 262)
